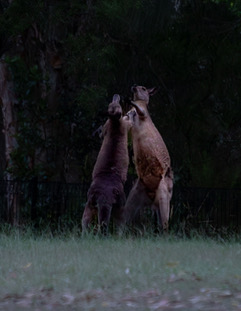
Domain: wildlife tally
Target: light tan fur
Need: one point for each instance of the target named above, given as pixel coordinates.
(152, 161)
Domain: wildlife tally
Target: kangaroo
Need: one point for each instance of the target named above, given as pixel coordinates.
(152, 161)
(106, 192)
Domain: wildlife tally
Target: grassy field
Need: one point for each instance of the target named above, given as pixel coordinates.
(143, 273)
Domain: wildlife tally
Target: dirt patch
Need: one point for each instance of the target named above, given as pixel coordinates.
(47, 299)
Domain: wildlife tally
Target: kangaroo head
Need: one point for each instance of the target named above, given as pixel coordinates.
(142, 93)
(141, 97)
(114, 109)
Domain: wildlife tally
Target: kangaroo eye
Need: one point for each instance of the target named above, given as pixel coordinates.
(143, 88)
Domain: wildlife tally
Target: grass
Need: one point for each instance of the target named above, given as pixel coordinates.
(146, 273)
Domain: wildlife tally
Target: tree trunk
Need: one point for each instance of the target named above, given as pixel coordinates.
(7, 100)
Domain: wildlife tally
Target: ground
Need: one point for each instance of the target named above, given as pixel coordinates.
(144, 273)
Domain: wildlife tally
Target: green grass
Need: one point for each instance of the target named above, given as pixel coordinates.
(131, 272)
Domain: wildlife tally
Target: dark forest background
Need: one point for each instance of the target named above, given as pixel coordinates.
(61, 62)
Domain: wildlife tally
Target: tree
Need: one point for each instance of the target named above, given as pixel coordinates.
(66, 59)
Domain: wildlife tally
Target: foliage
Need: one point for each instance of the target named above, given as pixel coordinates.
(190, 49)
(31, 118)
(206, 66)
(233, 5)
(27, 12)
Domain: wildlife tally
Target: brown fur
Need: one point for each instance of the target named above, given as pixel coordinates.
(106, 193)
(152, 161)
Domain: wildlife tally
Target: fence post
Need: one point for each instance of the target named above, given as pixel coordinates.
(13, 212)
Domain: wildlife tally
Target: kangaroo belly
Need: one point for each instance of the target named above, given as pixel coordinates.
(150, 153)
(150, 170)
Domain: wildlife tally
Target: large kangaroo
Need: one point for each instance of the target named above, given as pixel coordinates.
(106, 193)
(152, 161)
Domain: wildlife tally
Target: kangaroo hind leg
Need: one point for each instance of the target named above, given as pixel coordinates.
(88, 216)
(104, 213)
(136, 200)
(162, 200)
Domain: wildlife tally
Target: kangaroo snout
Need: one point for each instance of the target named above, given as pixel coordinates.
(116, 98)
(114, 109)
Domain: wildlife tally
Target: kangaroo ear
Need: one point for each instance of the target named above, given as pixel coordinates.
(152, 91)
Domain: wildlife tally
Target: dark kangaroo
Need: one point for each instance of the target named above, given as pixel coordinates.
(106, 194)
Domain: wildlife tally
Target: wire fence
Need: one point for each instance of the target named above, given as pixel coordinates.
(41, 203)
(207, 208)
(61, 204)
